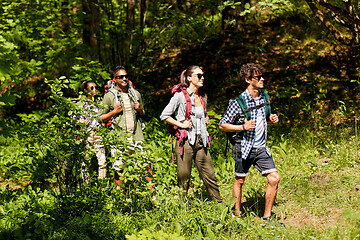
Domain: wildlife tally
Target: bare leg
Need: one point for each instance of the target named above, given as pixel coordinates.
(271, 191)
(237, 191)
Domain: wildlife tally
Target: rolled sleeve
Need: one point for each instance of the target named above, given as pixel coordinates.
(231, 113)
(173, 107)
(108, 103)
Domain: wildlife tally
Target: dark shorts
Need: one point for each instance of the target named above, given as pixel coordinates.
(258, 157)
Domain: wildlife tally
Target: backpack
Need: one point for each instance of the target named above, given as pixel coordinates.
(236, 137)
(181, 133)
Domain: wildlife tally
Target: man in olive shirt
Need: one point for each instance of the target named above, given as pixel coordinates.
(123, 106)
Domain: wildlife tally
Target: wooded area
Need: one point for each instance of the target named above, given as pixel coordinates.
(309, 48)
(155, 40)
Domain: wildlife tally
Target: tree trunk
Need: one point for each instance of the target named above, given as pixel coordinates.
(91, 28)
(130, 26)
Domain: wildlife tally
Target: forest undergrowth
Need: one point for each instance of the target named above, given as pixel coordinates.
(315, 147)
(318, 195)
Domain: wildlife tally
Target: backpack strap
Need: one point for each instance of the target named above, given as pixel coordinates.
(267, 104)
(188, 110)
(244, 107)
(116, 94)
(118, 101)
(132, 93)
(247, 110)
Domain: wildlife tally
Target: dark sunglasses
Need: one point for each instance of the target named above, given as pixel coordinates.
(200, 75)
(93, 87)
(121, 77)
(259, 77)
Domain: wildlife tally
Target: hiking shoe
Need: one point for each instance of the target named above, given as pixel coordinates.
(271, 219)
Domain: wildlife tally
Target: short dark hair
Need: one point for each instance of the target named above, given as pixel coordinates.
(116, 69)
(249, 69)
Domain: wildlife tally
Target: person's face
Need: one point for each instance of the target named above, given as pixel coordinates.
(197, 78)
(92, 89)
(257, 81)
(121, 78)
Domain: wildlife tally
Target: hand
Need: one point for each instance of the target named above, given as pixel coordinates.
(186, 124)
(274, 118)
(249, 124)
(207, 120)
(117, 108)
(137, 106)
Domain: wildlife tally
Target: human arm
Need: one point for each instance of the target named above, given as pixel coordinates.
(176, 105)
(185, 124)
(107, 116)
(108, 109)
(139, 109)
(232, 116)
(138, 106)
(228, 127)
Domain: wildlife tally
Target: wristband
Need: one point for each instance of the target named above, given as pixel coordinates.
(243, 127)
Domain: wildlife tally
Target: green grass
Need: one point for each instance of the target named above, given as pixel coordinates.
(318, 197)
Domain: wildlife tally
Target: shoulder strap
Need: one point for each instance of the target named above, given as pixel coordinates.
(247, 111)
(188, 103)
(267, 104)
(244, 107)
(116, 94)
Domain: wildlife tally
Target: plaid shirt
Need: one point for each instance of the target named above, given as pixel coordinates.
(234, 115)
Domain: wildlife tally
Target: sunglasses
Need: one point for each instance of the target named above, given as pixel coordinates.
(200, 75)
(259, 77)
(121, 77)
(93, 87)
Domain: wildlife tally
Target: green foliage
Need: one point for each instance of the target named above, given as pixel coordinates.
(311, 169)
(146, 234)
(315, 146)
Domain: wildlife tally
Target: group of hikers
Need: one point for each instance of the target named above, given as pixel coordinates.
(244, 121)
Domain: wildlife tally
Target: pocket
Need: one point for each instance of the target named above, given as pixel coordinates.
(236, 151)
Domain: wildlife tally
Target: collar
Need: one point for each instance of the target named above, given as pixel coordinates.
(190, 92)
(248, 96)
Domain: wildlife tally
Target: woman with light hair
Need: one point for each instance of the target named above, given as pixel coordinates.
(193, 140)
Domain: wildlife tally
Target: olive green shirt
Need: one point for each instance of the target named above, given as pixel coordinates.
(120, 119)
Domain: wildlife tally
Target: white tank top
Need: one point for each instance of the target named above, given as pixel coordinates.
(199, 113)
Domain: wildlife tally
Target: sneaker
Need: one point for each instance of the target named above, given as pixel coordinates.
(271, 219)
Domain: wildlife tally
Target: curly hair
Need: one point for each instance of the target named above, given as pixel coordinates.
(249, 69)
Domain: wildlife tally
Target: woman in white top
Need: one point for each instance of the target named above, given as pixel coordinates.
(197, 141)
(93, 140)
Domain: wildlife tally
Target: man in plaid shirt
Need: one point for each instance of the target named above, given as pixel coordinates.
(252, 149)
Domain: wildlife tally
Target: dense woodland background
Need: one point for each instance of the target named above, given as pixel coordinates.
(308, 61)
(309, 48)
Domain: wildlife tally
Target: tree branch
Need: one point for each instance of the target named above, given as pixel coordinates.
(335, 9)
(320, 15)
